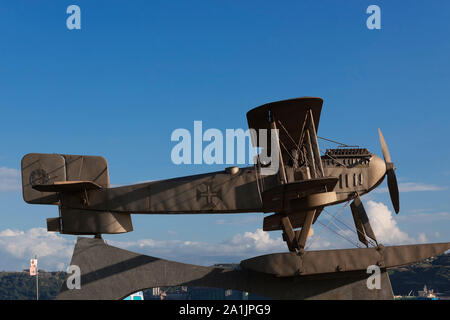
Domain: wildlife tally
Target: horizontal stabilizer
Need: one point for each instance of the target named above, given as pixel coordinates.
(67, 186)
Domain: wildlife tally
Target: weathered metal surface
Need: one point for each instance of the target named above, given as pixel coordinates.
(75, 221)
(314, 201)
(304, 232)
(87, 168)
(216, 192)
(310, 164)
(278, 198)
(314, 144)
(108, 272)
(79, 185)
(291, 113)
(40, 169)
(327, 261)
(357, 208)
(273, 222)
(67, 186)
(359, 227)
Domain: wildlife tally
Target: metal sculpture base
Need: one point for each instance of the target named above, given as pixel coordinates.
(111, 273)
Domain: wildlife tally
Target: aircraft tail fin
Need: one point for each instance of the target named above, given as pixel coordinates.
(45, 175)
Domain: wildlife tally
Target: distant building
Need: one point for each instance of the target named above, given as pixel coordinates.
(425, 293)
(156, 291)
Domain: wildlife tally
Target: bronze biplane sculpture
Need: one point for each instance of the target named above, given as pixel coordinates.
(296, 194)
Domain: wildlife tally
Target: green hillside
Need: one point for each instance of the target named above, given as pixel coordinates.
(21, 286)
(434, 273)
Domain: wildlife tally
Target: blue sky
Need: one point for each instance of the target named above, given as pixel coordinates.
(138, 70)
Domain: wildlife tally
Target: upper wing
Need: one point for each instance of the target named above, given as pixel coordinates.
(290, 117)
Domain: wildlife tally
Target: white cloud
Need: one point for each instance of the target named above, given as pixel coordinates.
(17, 247)
(54, 251)
(258, 241)
(234, 249)
(317, 242)
(384, 225)
(422, 238)
(9, 179)
(10, 233)
(412, 187)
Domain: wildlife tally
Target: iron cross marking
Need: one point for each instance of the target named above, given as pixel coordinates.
(209, 195)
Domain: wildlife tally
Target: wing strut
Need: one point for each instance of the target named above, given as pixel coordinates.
(312, 147)
(296, 240)
(273, 125)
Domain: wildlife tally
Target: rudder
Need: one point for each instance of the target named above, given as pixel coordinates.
(46, 169)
